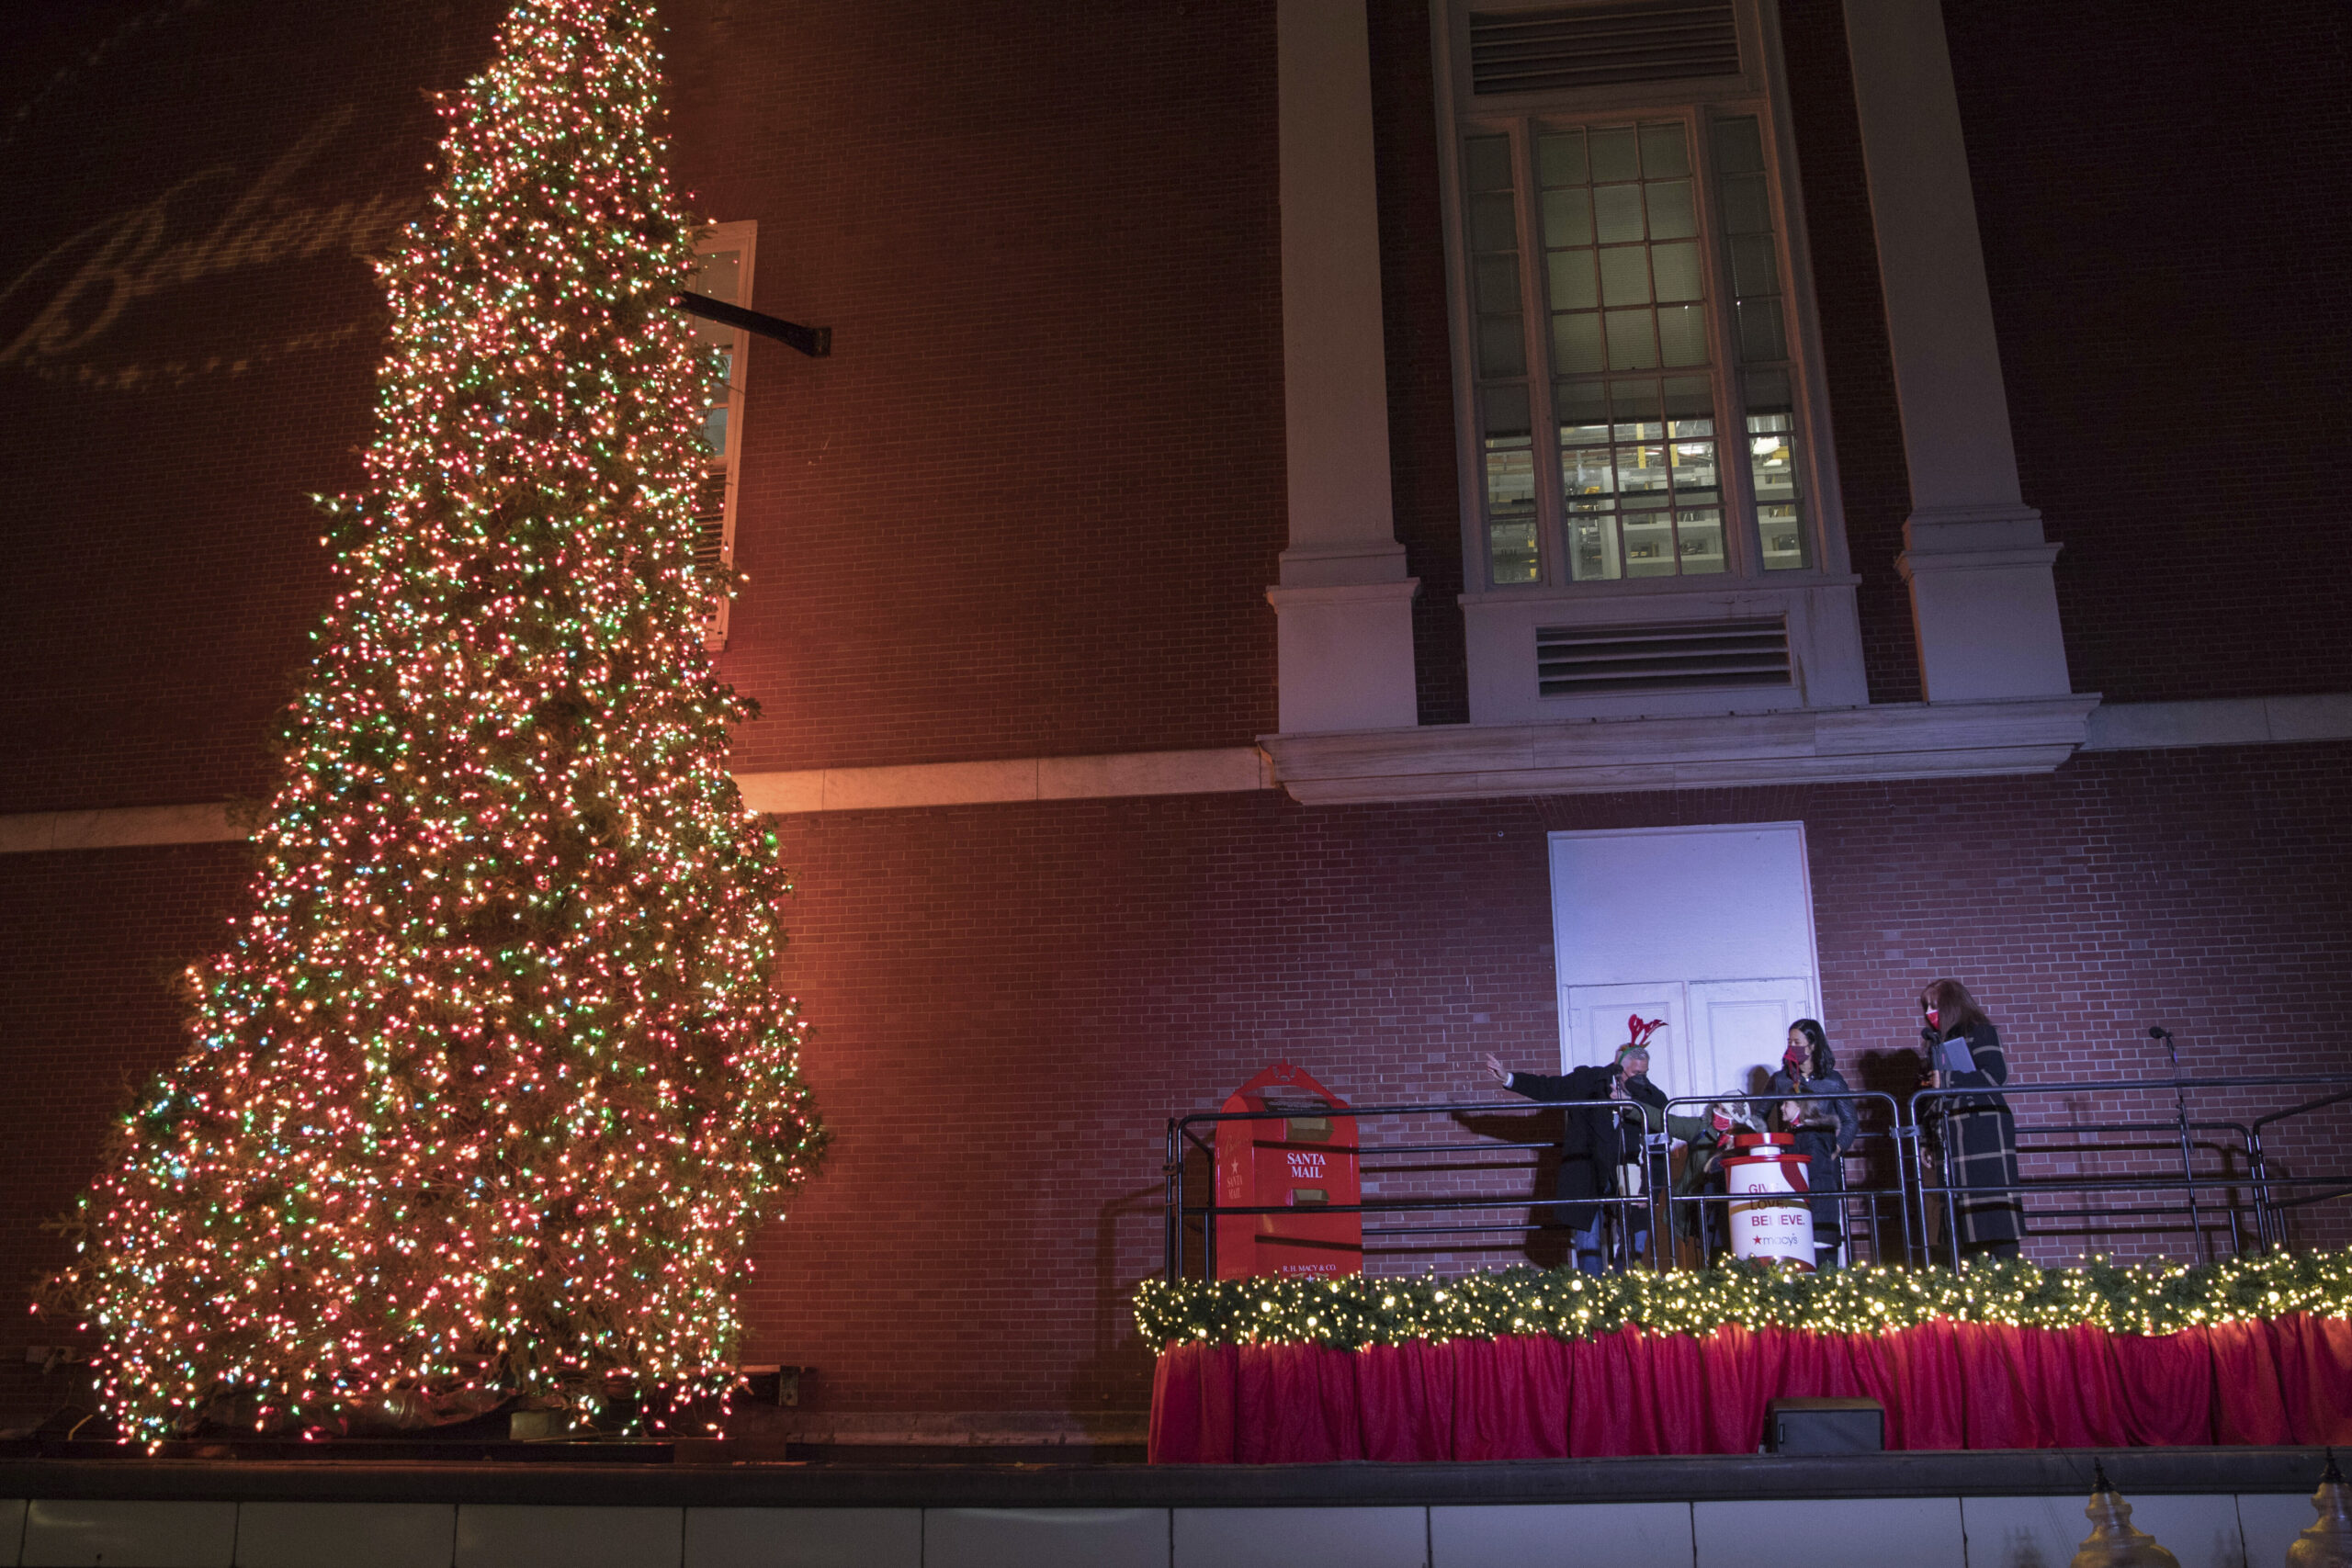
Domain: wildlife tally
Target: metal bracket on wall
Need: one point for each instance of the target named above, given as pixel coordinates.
(817, 342)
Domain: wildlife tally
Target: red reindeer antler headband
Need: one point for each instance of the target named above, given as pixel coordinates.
(1639, 1032)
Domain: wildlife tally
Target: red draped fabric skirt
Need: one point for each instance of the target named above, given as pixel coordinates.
(1944, 1385)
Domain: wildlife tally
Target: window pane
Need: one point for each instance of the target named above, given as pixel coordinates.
(1665, 151)
(1699, 541)
(1760, 312)
(1761, 337)
(1641, 478)
(1754, 268)
(1572, 281)
(1649, 545)
(1739, 145)
(1693, 464)
(1592, 548)
(1583, 409)
(1509, 484)
(1773, 471)
(1502, 346)
(1614, 154)
(1619, 209)
(1747, 210)
(1489, 162)
(1506, 411)
(1672, 215)
(1559, 158)
(1494, 225)
(1511, 515)
(1783, 538)
(1576, 342)
(1625, 276)
(1634, 407)
(1568, 218)
(714, 431)
(1586, 474)
(1676, 269)
(1633, 340)
(1681, 335)
(1689, 405)
(1498, 285)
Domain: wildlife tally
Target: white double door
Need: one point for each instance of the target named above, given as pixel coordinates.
(1722, 1038)
(1708, 928)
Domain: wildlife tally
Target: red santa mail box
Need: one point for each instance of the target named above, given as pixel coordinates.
(1300, 1159)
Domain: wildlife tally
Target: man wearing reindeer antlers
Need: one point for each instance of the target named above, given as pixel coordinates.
(1600, 1140)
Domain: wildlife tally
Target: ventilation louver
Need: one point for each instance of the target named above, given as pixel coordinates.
(1591, 46)
(1669, 656)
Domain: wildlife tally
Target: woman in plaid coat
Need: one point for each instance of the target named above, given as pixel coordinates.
(1974, 1134)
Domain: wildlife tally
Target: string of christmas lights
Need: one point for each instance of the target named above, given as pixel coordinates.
(490, 1090)
(1355, 1310)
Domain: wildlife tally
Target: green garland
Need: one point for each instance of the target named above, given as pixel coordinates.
(1355, 1310)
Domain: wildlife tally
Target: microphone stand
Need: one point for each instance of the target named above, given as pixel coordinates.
(2180, 1107)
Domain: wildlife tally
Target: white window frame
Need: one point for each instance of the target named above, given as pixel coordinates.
(1816, 602)
(742, 237)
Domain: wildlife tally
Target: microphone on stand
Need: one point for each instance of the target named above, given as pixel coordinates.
(2157, 1032)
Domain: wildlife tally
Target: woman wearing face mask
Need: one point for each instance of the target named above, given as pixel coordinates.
(1825, 1130)
(1974, 1134)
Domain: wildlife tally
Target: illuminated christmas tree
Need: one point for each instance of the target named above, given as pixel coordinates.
(489, 1091)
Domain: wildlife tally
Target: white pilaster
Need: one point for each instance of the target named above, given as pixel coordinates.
(1344, 605)
(1982, 600)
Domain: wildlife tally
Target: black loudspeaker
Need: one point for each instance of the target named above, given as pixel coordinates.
(1825, 1426)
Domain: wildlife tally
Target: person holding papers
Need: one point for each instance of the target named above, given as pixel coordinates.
(1975, 1132)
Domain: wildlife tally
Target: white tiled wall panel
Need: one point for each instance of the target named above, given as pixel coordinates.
(2029, 1532)
(345, 1535)
(1562, 1535)
(1045, 1537)
(131, 1535)
(518, 1536)
(2271, 1525)
(1302, 1538)
(804, 1538)
(1904, 1532)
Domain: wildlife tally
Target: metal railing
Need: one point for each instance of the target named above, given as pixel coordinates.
(1182, 1136)
(2220, 1178)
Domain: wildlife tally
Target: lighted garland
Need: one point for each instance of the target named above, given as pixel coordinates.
(491, 1088)
(1355, 1310)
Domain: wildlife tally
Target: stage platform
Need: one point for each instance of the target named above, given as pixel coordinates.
(2234, 1506)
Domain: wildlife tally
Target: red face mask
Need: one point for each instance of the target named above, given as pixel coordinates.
(1935, 1019)
(1794, 1058)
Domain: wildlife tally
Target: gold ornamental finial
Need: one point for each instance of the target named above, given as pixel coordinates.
(2113, 1542)
(2327, 1542)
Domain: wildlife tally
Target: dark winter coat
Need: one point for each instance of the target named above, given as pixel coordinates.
(1590, 1145)
(1823, 1135)
(1975, 1142)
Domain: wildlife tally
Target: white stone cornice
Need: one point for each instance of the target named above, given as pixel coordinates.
(1906, 740)
(1225, 771)
(120, 828)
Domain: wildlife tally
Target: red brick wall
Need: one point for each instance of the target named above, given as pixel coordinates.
(1010, 999)
(1033, 502)
(2158, 190)
(1031, 505)
(161, 561)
